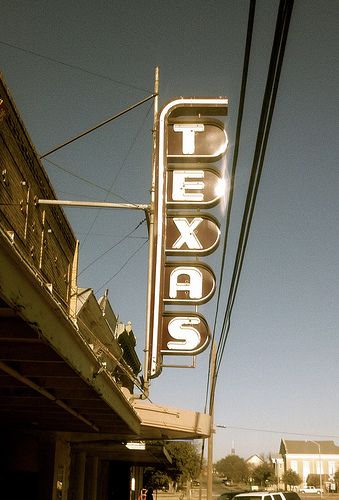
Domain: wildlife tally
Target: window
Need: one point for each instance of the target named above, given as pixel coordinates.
(319, 466)
(294, 465)
(331, 467)
(306, 470)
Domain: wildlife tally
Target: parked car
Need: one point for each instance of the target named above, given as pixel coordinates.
(311, 489)
(229, 495)
(268, 495)
(291, 495)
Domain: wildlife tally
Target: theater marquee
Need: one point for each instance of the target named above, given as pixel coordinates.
(190, 144)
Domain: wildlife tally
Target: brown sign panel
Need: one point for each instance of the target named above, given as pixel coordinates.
(184, 334)
(189, 140)
(193, 188)
(191, 235)
(201, 140)
(188, 283)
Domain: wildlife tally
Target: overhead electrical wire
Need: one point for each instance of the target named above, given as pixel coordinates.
(277, 56)
(271, 431)
(282, 24)
(73, 66)
(87, 181)
(247, 53)
(122, 267)
(99, 125)
(119, 170)
(109, 191)
(112, 247)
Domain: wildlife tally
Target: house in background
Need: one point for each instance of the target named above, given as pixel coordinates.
(311, 458)
(254, 460)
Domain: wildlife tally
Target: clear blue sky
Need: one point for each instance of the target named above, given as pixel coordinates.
(280, 367)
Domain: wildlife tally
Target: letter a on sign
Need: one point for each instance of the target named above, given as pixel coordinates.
(190, 144)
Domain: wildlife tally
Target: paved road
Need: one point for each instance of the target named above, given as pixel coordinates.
(180, 496)
(195, 496)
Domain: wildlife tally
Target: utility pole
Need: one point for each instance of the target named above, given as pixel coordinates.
(210, 439)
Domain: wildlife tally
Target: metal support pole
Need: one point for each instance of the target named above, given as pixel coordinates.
(151, 229)
(94, 204)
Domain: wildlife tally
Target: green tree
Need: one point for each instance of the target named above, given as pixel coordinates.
(185, 465)
(314, 480)
(156, 478)
(291, 478)
(185, 461)
(263, 475)
(233, 468)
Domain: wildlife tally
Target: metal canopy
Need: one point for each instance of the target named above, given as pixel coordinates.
(107, 450)
(51, 380)
(49, 377)
(39, 390)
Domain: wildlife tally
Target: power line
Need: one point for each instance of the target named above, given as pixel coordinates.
(271, 431)
(247, 53)
(119, 170)
(92, 129)
(87, 181)
(111, 248)
(72, 66)
(277, 55)
(123, 266)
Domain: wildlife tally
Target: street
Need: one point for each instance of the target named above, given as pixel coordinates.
(180, 495)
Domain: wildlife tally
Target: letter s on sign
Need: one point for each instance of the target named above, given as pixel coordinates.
(182, 329)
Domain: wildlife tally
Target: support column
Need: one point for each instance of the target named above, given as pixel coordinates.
(92, 474)
(79, 479)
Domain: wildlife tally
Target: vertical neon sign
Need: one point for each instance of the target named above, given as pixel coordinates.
(190, 142)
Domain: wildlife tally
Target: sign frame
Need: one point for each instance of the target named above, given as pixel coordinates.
(198, 107)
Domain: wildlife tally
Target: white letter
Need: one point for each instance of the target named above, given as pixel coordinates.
(181, 185)
(188, 135)
(193, 285)
(187, 234)
(187, 335)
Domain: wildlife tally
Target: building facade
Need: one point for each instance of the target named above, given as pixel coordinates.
(313, 461)
(71, 394)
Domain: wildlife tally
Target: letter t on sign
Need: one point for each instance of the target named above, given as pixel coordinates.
(188, 135)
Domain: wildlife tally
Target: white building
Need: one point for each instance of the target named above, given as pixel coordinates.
(311, 457)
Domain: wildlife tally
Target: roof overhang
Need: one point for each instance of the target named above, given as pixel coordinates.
(150, 454)
(163, 422)
(49, 376)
